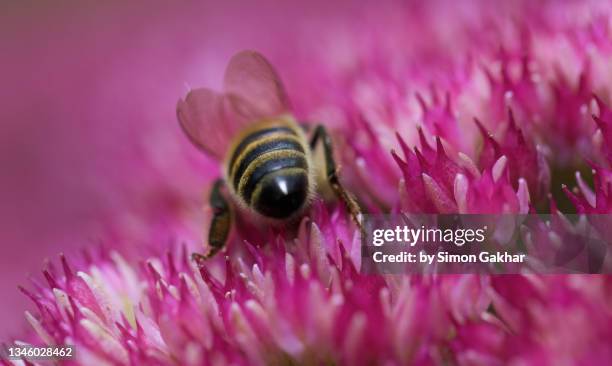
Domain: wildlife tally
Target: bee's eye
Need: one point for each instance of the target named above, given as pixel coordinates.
(282, 195)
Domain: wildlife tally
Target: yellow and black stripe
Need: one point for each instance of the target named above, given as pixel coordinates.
(263, 156)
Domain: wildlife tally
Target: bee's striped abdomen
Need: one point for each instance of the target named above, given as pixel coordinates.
(269, 171)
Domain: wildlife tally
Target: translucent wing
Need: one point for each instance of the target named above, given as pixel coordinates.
(203, 116)
(252, 91)
(257, 89)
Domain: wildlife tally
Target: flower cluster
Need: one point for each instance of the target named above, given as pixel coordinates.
(444, 109)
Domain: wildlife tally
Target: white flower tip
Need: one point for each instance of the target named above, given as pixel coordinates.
(460, 191)
(597, 138)
(523, 196)
(587, 192)
(499, 167)
(467, 162)
(290, 267)
(305, 271)
(38, 328)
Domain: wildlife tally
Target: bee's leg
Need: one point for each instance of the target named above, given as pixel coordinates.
(220, 224)
(320, 134)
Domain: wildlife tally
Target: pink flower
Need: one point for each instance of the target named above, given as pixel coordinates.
(303, 302)
(435, 108)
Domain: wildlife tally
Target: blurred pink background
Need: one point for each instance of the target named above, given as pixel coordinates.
(87, 115)
(90, 142)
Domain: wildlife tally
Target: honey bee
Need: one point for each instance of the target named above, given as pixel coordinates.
(267, 159)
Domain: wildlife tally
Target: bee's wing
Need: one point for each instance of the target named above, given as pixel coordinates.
(252, 91)
(206, 118)
(257, 89)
